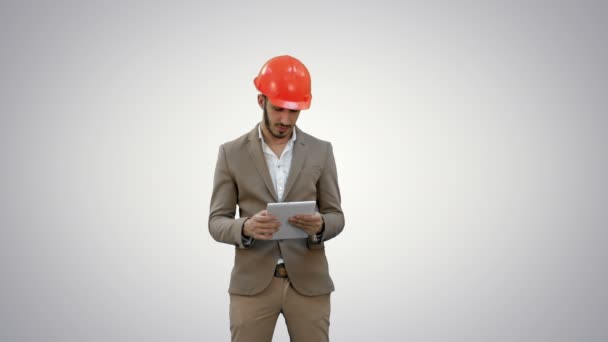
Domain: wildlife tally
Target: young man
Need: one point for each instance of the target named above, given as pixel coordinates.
(277, 162)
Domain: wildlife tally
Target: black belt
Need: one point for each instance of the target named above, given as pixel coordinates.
(280, 271)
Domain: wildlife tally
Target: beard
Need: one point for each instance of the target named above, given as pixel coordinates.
(269, 126)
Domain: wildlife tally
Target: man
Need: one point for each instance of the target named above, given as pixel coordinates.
(277, 162)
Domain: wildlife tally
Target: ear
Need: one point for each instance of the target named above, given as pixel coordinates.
(261, 101)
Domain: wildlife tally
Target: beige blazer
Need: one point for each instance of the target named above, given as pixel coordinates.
(242, 178)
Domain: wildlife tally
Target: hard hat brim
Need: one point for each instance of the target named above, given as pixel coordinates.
(291, 104)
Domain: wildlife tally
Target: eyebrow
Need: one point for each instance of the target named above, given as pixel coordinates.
(283, 108)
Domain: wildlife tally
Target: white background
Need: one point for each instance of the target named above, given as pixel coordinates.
(470, 140)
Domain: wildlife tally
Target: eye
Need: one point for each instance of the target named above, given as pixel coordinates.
(293, 110)
(277, 109)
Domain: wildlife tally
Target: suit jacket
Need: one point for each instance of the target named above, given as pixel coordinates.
(242, 178)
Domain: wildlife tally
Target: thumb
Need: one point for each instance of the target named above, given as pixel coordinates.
(266, 214)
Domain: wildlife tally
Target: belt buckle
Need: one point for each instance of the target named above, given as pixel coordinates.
(280, 271)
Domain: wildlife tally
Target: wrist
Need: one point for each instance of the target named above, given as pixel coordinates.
(244, 230)
(322, 226)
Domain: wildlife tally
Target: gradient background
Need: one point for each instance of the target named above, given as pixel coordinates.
(470, 139)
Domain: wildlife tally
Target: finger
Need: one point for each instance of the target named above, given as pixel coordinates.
(310, 228)
(302, 226)
(265, 220)
(305, 222)
(262, 236)
(265, 213)
(268, 225)
(267, 230)
(307, 218)
(264, 216)
(308, 231)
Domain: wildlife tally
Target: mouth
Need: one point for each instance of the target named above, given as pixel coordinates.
(283, 129)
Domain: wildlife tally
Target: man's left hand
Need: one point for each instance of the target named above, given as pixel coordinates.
(311, 224)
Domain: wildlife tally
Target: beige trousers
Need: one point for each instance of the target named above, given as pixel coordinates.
(253, 318)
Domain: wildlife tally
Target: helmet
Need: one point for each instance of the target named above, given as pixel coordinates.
(286, 82)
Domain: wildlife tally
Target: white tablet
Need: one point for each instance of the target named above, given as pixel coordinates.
(283, 211)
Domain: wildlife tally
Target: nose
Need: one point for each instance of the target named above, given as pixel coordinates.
(284, 118)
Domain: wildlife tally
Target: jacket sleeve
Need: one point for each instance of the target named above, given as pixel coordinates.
(223, 226)
(329, 201)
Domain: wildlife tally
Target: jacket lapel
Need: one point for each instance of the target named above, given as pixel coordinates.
(255, 150)
(300, 150)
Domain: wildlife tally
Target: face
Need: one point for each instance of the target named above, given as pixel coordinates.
(279, 121)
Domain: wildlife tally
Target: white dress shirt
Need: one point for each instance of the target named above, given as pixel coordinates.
(278, 166)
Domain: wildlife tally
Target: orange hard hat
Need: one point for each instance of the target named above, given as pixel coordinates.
(286, 82)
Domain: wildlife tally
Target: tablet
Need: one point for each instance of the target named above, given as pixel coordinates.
(283, 211)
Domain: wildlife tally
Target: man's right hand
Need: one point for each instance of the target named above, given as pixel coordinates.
(261, 226)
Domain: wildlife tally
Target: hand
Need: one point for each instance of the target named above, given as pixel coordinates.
(311, 224)
(261, 226)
